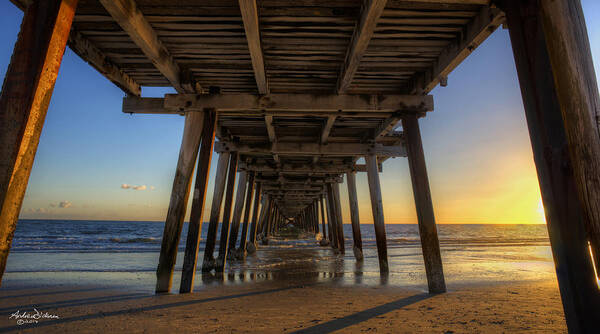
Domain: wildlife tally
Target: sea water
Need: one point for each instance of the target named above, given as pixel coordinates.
(124, 254)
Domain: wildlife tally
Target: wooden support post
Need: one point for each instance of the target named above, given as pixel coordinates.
(247, 208)
(192, 133)
(565, 214)
(577, 89)
(199, 195)
(255, 217)
(332, 217)
(237, 213)
(377, 208)
(340, 221)
(24, 100)
(208, 262)
(351, 180)
(420, 182)
(224, 239)
(323, 218)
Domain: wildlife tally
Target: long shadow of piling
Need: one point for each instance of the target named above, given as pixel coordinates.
(144, 308)
(356, 318)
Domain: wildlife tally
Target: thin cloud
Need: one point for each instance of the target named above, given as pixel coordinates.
(65, 204)
(142, 187)
(125, 186)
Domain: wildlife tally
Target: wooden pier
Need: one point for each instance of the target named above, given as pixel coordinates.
(292, 95)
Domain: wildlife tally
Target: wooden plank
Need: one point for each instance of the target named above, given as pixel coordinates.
(424, 205)
(297, 102)
(24, 100)
(195, 224)
(544, 101)
(208, 263)
(477, 31)
(225, 224)
(192, 134)
(247, 208)
(237, 214)
(351, 180)
(130, 18)
(249, 12)
(327, 129)
(372, 10)
(103, 64)
(377, 208)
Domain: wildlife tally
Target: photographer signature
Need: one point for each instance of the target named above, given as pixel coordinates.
(31, 317)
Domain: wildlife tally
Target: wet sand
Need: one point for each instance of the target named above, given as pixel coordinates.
(290, 306)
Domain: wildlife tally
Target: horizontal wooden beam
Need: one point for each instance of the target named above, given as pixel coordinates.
(478, 29)
(304, 169)
(309, 149)
(132, 21)
(308, 103)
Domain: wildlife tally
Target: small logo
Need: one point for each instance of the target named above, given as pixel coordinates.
(33, 317)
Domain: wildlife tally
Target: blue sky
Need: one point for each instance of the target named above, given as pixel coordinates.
(476, 145)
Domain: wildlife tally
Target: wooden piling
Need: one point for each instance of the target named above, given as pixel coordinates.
(26, 93)
(332, 217)
(351, 180)
(323, 223)
(565, 214)
(199, 196)
(237, 213)
(208, 262)
(340, 221)
(426, 218)
(192, 133)
(224, 239)
(255, 216)
(377, 208)
(247, 208)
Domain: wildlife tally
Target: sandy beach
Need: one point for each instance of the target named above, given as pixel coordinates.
(269, 307)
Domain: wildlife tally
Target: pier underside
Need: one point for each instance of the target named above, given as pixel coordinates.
(296, 97)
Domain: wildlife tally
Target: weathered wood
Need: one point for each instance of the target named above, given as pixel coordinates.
(26, 93)
(208, 262)
(270, 128)
(377, 208)
(351, 180)
(339, 220)
(480, 28)
(423, 203)
(255, 216)
(192, 134)
(323, 217)
(332, 217)
(577, 90)
(331, 149)
(224, 239)
(298, 102)
(327, 129)
(249, 12)
(565, 215)
(372, 10)
(237, 213)
(247, 208)
(199, 195)
(131, 19)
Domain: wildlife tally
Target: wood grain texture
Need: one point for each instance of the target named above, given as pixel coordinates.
(377, 208)
(249, 12)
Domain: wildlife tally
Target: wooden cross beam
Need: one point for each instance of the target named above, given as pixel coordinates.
(300, 104)
(309, 149)
(249, 12)
(480, 27)
(87, 51)
(295, 169)
(327, 128)
(130, 18)
(371, 12)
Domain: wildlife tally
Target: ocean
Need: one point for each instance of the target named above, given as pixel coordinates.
(124, 254)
